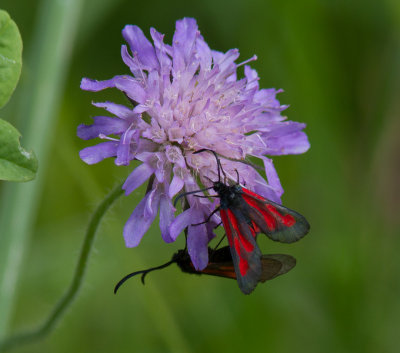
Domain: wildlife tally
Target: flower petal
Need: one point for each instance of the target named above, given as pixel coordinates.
(294, 143)
(162, 51)
(124, 83)
(267, 97)
(131, 87)
(180, 223)
(125, 154)
(153, 200)
(166, 217)
(95, 154)
(153, 86)
(183, 42)
(252, 77)
(116, 109)
(272, 176)
(282, 138)
(174, 155)
(197, 244)
(280, 128)
(137, 177)
(141, 47)
(226, 61)
(103, 125)
(138, 223)
(88, 84)
(175, 186)
(261, 187)
(204, 54)
(128, 60)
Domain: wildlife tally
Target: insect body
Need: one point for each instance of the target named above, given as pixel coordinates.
(244, 214)
(221, 265)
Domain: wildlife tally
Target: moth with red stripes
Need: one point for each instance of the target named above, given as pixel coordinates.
(221, 265)
(244, 214)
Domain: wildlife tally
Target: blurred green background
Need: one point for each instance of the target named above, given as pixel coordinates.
(338, 62)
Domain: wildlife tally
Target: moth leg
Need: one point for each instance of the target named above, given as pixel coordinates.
(218, 225)
(208, 218)
(219, 243)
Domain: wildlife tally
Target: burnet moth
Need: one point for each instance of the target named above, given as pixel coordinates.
(221, 265)
(244, 214)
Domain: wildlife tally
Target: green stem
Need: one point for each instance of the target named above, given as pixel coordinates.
(77, 280)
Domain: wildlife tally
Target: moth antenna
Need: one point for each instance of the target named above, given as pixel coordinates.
(237, 174)
(206, 177)
(144, 272)
(206, 197)
(156, 268)
(218, 162)
(189, 193)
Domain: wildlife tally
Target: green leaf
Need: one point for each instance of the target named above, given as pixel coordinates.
(16, 164)
(10, 56)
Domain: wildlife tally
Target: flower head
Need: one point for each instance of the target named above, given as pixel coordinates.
(186, 97)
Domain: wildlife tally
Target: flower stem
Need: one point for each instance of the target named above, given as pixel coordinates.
(77, 280)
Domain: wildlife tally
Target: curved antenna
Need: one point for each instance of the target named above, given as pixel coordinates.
(145, 272)
(218, 162)
(237, 175)
(189, 193)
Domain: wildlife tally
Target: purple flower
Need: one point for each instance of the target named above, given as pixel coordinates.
(186, 97)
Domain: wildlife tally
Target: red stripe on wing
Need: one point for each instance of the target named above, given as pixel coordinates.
(270, 220)
(278, 222)
(243, 241)
(274, 215)
(288, 220)
(240, 242)
(240, 246)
